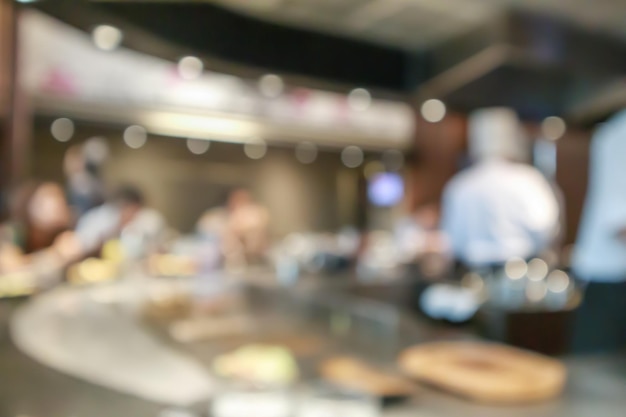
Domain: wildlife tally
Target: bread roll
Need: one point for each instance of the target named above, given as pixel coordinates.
(485, 372)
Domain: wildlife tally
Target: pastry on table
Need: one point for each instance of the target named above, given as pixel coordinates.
(266, 365)
(171, 265)
(485, 372)
(356, 375)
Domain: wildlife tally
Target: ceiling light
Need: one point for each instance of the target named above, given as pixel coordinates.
(135, 136)
(306, 152)
(433, 110)
(198, 146)
(271, 85)
(62, 129)
(107, 37)
(190, 68)
(359, 99)
(553, 128)
(256, 149)
(352, 156)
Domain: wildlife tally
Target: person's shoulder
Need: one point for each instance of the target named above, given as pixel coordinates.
(468, 177)
(612, 131)
(527, 171)
(618, 120)
(528, 174)
(463, 177)
(96, 213)
(462, 183)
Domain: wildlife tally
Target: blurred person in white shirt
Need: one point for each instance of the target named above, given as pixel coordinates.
(599, 259)
(498, 209)
(418, 233)
(126, 217)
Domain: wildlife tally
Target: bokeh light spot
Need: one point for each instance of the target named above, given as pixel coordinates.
(558, 281)
(271, 85)
(62, 129)
(256, 149)
(433, 110)
(198, 146)
(359, 99)
(515, 268)
(537, 269)
(553, 128)
(306, 152)
(135, 136)
(107, 37)
(352, 156)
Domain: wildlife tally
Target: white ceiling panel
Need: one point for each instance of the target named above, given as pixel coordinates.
(415, 24)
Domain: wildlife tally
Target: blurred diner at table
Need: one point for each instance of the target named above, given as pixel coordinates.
(39, 218)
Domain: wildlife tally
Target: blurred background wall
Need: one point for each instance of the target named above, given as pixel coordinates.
(183, 185)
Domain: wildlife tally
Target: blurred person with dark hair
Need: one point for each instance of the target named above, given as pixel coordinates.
(125, 216)
(599, 258)
(38, 217)
(498, 208)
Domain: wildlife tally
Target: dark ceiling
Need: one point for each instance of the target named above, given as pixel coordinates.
(214, 32)
(544, 66)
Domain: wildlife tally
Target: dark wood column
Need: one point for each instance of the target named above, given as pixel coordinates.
(572, 174)
(14, 117)
(7, 83)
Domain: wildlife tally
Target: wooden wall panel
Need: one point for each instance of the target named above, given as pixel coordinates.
(572, 175)
(440, 150)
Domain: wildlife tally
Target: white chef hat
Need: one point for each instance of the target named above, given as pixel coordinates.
(496, 133)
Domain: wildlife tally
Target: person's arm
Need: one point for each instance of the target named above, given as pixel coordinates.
(11, 258)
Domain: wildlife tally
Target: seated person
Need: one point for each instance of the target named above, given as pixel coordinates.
(39, 216)
(418, 233)
(213, 223)
(242, 227)
(125, 216)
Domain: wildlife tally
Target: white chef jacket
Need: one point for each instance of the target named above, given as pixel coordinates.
(599, 254)
(497, 210)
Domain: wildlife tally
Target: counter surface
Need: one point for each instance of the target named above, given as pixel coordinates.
(597, 388)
